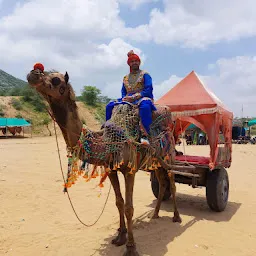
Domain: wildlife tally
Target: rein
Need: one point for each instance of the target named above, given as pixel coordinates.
(66, 189)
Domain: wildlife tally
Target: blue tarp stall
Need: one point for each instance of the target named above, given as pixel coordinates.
(251, 122)
(13, 125)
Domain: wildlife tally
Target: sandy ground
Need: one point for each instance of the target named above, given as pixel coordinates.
(36, 217)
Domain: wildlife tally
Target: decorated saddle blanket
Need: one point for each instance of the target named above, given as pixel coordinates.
(120, 138)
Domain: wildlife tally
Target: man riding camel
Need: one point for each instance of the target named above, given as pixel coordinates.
(137, 89)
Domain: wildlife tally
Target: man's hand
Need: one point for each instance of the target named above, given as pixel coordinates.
(128, 98)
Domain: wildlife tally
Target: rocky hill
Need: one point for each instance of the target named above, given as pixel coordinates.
(8, 81)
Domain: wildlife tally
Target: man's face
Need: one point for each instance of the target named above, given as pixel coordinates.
(134, 64)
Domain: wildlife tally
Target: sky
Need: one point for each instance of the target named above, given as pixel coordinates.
(90, 40)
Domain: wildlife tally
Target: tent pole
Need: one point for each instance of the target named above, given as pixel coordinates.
(6, 129)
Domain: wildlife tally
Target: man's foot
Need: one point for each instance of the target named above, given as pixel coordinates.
(144, 140)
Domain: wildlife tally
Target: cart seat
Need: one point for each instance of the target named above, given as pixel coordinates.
(200, 160)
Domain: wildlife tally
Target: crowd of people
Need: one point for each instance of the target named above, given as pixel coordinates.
(196, 138)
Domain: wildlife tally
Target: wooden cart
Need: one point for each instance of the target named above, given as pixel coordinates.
(216, 181)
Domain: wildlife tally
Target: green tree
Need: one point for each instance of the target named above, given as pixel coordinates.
(90, 94)
(16, 91)
(104, 99)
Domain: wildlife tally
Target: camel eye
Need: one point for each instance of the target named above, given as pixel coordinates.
(56, 81)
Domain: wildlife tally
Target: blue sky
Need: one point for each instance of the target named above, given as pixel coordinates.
(90, 39)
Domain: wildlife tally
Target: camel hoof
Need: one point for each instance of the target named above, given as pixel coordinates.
(131, 251)
(155, 216)
(176, 218)
(120, 239)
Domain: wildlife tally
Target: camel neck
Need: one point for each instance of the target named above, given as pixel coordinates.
(66, 115)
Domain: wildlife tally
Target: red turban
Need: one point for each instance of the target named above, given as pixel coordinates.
(132, 56)
(39, 66)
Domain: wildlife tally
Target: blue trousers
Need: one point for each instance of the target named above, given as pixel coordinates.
(145, 111)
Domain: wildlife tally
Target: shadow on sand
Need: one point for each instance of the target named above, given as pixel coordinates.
(14, 137)
(153, 236)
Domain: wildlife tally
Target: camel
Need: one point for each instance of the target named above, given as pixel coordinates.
(59, 94)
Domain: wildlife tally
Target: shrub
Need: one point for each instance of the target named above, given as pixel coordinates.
(16, 104)
(2, 112)
(31, 96)
(100, 114)
(19, 116)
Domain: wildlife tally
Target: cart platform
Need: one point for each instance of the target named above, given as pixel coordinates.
(197, 160)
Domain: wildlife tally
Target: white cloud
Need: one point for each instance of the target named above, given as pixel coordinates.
(134, 4)
(87, 39)
(234, 82)
(99, 64)
(80, 36)
(83, 19)
(165, 86)
(198, 24)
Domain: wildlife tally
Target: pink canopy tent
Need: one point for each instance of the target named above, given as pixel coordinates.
(192, 102)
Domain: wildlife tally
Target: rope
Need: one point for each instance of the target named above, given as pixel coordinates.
(87, 225)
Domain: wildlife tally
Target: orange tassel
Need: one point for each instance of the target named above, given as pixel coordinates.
(103, 178)
(130, 172)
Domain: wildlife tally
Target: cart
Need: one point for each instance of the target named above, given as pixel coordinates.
(191, 102)
(216, 181)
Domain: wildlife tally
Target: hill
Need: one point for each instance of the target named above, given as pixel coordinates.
(42, 125)
(8, 81)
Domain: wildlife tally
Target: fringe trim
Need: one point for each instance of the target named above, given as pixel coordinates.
(195, 112)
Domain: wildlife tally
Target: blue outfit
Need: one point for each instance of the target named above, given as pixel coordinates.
(143, 90)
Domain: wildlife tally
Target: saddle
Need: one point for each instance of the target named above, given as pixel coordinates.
(125, 122)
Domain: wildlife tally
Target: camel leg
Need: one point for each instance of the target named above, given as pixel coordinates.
(129, 184)
(160, 174)
(121, 237)
(176, 217)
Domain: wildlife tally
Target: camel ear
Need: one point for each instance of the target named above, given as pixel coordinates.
(66, 77)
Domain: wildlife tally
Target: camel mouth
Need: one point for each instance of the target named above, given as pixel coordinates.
(34, 78)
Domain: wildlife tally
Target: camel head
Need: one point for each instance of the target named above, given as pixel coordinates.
(58, 92)
(51, 85)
